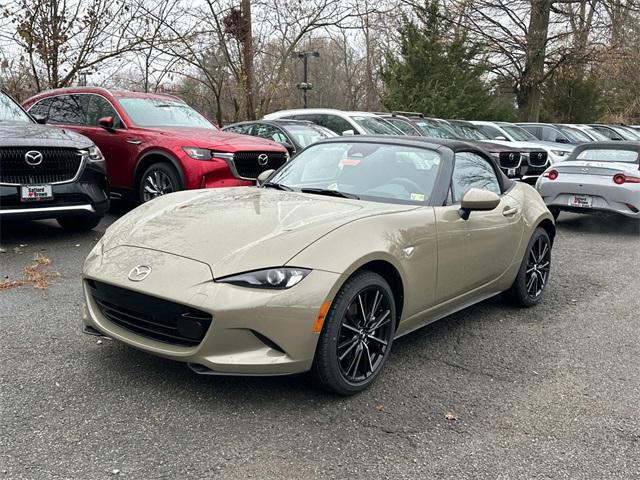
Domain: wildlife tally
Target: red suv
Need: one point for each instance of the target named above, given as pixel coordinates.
(155, 143)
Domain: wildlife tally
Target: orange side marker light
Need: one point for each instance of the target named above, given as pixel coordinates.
(324, 309)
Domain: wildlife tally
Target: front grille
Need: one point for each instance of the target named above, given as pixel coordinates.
(248, 164)
(509, 159)
(58, 165)
(149, 316)
(538, 159)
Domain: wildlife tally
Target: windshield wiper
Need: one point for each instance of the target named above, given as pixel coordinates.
(329, 193)
(277, 186)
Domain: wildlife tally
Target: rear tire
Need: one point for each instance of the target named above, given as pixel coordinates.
(157, 180)
(357, 335)
(80, 223)
(533, 275)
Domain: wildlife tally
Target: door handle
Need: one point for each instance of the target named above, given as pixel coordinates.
(133, 141)
(509, 211)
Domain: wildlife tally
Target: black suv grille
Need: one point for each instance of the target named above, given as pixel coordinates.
(249, 164)
(509, 159)
(149, 316)
(538, 159)
(58, 165)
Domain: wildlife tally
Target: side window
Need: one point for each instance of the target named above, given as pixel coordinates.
(41, 109)
(402, 125)
(97, 107)
(270, 133)
(472, 171)
(336, 123)
(65, 109)
(491, 132)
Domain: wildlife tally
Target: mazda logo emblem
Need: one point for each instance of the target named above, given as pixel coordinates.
(139, 273)
(33, 158)
(263, 159)
(539, 156)
(511, 156)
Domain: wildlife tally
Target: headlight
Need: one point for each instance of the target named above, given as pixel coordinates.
(560, 153)
(198, 153)
(93, 154)
(205, 154)
(271, 278)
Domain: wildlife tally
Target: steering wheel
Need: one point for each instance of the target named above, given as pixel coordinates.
(409, 185)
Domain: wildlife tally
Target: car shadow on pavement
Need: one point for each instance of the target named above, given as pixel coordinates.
(25, 232)
(615, 224)
(435, 343)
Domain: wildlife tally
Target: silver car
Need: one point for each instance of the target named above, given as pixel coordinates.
(597, 177)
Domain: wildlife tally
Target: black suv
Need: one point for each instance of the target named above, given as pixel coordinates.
(48, 172)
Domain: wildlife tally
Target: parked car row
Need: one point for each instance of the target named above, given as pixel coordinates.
(99, 144)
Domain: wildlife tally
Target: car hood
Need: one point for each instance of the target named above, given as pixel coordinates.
(236, 230)
(216, 139)
(34, 135)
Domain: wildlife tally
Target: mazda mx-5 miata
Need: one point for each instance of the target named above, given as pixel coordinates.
(353, 243)
(597, 177)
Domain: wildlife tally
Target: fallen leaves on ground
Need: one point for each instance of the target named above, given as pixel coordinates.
(37, 275)
(452, 417)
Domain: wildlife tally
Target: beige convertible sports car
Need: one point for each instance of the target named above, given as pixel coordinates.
(353, 243)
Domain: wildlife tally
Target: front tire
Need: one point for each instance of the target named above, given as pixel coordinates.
(157, 180)
(357, 335)
(80, 223)
(533, 276)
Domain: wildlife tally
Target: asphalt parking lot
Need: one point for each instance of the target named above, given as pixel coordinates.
(550, 392)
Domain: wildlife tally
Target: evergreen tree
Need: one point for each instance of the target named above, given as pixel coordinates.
(438, 74)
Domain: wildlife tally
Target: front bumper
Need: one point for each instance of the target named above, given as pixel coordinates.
(88, 195)
(253, 331)
(606, 196)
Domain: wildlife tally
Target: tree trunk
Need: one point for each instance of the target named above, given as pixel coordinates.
(247, 57)
(530, 91)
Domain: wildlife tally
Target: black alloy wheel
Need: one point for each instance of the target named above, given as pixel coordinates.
(538, 266)
(533, 275)
(357, 335)
(365, 334)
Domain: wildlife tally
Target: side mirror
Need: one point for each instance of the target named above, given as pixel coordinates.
(562, 140)
(349, 132)
(264, 177)
(106, 123)
(502, 137)
(478, 200)
(40, 119)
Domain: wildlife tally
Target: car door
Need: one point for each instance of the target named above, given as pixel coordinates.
(475, 252)
(120, 154)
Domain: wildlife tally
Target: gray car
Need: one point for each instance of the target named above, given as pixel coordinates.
(48, 172)
(597, 177)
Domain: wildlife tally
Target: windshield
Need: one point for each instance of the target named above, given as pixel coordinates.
(469, 132)
(595, 134)
(156, 112)
(519, 134)
(376, 126)
(305, 135)
(406, 127)
(10, 112)
(574, 134)
(609, 155)
(371, 171)
(436, 131)
(629, 132)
